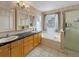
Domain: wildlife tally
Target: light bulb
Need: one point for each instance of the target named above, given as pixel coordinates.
(18, 1)
(24, 4)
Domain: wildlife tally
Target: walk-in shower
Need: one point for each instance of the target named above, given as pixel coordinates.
(71, 40)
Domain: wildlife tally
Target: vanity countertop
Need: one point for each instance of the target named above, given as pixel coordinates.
(20, 36)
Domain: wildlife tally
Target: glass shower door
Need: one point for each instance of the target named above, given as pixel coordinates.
(72, 31)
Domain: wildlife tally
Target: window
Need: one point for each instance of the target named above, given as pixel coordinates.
(37, 23)
(51, 22)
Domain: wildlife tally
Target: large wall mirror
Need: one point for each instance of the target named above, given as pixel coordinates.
(23, 19)
(7, 19)
(18, 19)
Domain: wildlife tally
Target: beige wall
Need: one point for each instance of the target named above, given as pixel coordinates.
(35, 11)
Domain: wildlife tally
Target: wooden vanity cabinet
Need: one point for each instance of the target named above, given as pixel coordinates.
(24, 46)
(20, 47)
(17, 48)
(28, 44)
(37, 39)
(5, 50)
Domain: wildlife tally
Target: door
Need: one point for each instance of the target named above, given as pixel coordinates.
(72, 30)
(28, 44)
(36, 39)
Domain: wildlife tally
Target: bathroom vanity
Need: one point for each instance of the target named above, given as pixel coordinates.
(20, 46)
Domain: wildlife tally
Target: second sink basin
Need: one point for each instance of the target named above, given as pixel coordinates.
(7, 39)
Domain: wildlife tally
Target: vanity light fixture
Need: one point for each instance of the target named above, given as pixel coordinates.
(18, 3)
(22, 4)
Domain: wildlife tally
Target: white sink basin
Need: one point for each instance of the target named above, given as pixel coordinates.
(3, 40)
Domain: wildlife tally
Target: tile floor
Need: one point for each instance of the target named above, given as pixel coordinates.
(44, 51)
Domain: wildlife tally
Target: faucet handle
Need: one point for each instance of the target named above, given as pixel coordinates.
(7, 35)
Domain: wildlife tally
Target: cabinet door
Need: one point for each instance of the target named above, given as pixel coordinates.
(28, 45)
(17, 48)
(28, 48)
(5, 51)
(28, 40)
(40, 38)
(37, 39)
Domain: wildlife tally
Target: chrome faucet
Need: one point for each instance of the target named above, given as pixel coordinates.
(7, 35)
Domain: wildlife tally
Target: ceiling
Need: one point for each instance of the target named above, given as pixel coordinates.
(42, 5)
(51, 5)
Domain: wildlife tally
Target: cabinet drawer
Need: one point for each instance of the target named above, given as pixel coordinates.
(26, 44)
(16, 43)
(35, 35)
(28, 39)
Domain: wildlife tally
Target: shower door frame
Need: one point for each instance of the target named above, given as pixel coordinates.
(63, 25)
